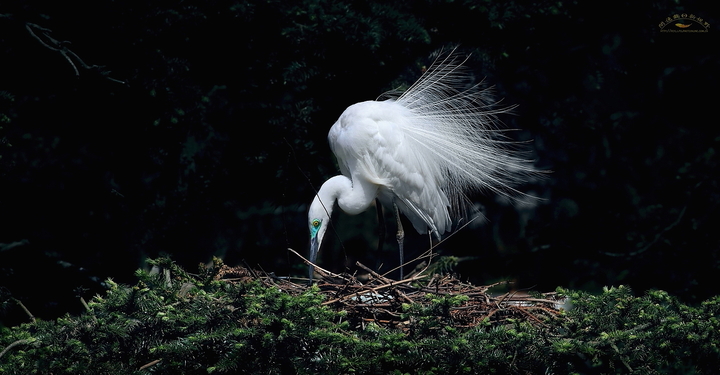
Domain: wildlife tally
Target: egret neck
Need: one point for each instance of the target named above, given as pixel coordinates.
(353, 197)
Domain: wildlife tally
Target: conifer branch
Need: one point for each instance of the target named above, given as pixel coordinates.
(14, 344)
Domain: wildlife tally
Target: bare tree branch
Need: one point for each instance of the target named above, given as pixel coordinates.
(42, 35)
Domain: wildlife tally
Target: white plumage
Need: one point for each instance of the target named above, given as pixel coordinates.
(420, 152)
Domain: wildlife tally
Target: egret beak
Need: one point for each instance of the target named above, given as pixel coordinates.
(314, 248)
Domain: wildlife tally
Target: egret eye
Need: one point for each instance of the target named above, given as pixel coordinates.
(316, 223)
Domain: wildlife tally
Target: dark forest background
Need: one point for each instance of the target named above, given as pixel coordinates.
(198, 128)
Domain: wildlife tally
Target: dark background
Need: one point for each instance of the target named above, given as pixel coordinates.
(198, 128)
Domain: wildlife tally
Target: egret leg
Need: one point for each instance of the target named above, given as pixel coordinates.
(381, 221)
(400, 238)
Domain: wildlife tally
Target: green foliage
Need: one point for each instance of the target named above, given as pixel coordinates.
(192, 324)
(617, 332)
(172, 322)
(435, 319)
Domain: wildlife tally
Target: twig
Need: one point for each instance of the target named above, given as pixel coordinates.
(374, 290)
(317, 268)
(25, 309)
(373, 273)
(404, 296)
(8, 246)
(252, 272)
(55, 45)
(150, 364)
(89, 310)
(612, 345)
(653, 242)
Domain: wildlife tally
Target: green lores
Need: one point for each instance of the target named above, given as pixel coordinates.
(314, 227)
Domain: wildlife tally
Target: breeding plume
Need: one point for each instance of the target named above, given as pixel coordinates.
(419, 152)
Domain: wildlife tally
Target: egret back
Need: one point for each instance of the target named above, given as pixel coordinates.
(372, 148)
(453, 126)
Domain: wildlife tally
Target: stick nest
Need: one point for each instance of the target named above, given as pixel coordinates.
(386, 302)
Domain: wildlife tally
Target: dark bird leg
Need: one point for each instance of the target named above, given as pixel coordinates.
(400, 238)
(381, 221)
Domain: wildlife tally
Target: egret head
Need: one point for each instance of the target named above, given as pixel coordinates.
(318, 221)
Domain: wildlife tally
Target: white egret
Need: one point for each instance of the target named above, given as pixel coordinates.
(419, 152)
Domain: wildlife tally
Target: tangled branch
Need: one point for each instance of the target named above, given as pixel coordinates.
(42, 35)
